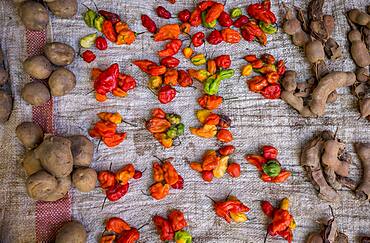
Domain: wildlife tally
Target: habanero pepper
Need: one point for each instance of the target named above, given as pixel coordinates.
(170, 62)
(225, 121)
(143, 64)
(107, 179)
(167, 32)
(107, 80)
(98, 23)
(214, 12)
(157, 125)
(198, 59)
(109, 31)
(187, 52)
(107, 239)
(162, 12)
(164, 228)
(184, 15)
(233, 170)
(126, 82)
(267, 208)
(256, 160)
(223, 61)
(116, 225)
(214, 38)
(158, 113)
(198, 39)
(126, 37)
(210, 102)
(207, 175)
(200, 75)
(226, 74)
(159, 191)
(101, 43)
(272, 91)
(206, 131)
(117, 192)
(170, 173)
(258, 12)
(118, 92)
(210, 25)
(115, 118)
(242, 20)
(225, 20)
(185, 28)
(210, 160)
(148, 23)
(247, 70)
(179, 184)
(156, 70)
(129, 236)
(257, 84)
(281, 67)
(269, 152)
(171, 77)
(121, 26)
(184, 79)
(88, 56)
(224, 136)
(204, 5)
(250, 58)
(103, 129)
(230, 36)
(195, 17)
(89, 17)
(177, 220)
(268, 28)
(114, 140)
(125, 174)
(171, 48)
(268, 58)
(211, 66)
(196, 166)
(166, 94)
(158, 175)
(112, 17)
(226, 150)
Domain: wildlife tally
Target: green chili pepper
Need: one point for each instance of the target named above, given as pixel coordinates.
(235, 13)
(212, 84)
(268, 28)
(98, 23)
(205, 24)
(88, 41)
(172, 132)
(89, 17)
(174, 119)
(272, 168)
(198, 59)
(183, 237)
(180, 129)
(225, 74)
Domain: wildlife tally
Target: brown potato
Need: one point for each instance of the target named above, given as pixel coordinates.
(3, 76)
(63, 8)
(38, 67)
(61, 82)
(56, 156)
(30, 134)
(84, 179)
(82, 150)
(59, 54)
(72, 232)
(34, 15)
(6, 106)
(64, 184)
(35, 93)
(30, 163)
(40, 185)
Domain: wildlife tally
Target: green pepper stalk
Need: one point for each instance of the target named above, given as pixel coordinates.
(210, 25)
(272, 168)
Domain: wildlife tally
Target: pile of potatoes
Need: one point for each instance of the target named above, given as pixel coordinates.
(61, 81)
(35, 16)
(54, 163)
(6, 101)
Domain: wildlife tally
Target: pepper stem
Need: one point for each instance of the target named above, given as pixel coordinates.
(110, 166)
(211, 198)
(332, 212)
(267, 233)
(161, 160)
(144, 193)
(97, 147)
(131, 124)
(143, 226)
(102, 206)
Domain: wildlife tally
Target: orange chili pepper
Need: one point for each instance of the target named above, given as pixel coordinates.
(103, 129)
(257, 64)
(118, 92)
(156, 70)
(100, 97)
(95, 72)
(206, 131)
(257, 84)
(116, 225)
(185, 28)
(126, 37)
(144, 64)
(159, 191)
(210, 160)
(211, 66)
(273, 78)
(107, 239)
(195, 17)
(168, 32)
(212, 119)
(283, 176)
(109, 31)
(125, 174)
(158, 175)
(157, 125)
(196, 166)
(115, 140)
(115, 118)
(256, 160)
(230, 36)
(171, 77)
(187, 52)
(171, 48)
(120, 26)
(158, 113)
(224, 136)
(106, 179)
(210, 102)
(214, 12)
(250, 58)
(170, 173)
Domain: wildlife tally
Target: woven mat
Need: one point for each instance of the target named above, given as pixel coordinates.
(257, 121)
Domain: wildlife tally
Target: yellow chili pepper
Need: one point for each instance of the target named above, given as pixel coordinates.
(126, 37)
(155, 82)
(198, 59)
(115, 118)
(293, 224)
(211, 66)
(200, 75)
(238, 217)
(202, 115)
(221, 168)
(284, 204)
(207, 131)
(187, 52)
(118, 92)
(247, 70)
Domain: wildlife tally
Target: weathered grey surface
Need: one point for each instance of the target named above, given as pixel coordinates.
(257, 121)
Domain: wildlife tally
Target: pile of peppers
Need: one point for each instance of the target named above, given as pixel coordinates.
(231, 209)
(116, 185)
(173, 227)
(215, 163)
(282, 223)
(106, 129)
(270, 72)
(165, 177)
(119, 231)
(268, 165)
(112, 81)
(213, 125)
(165, 127)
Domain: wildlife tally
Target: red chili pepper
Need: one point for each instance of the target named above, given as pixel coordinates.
(204, 5)
(126, 82)
(223, 61)
(207, 175)
(224, 136)
(166, 94)
(256, 160)
(261, 12)
(247, 35)
(164, 228)
(144, 64)
(170, 62)
(114, 140)
(281, 67)
(184, 15)
(107, 80)
(101, 43)
(156, 70)
(198, 39)
(162, 12)
(272, 91)
(171, 48)
(177, 220)
(250, 58)
(179, 184)
(138, 174)
(226, 150)
(129, 236)
(225, 121)
(214, 12)
(116, 225)
(215, 37)
(184, 79)
(114, 18)
(268, 58)
(109, 31)
(233, 170)
(267, 208)
(148, 23)
(195, 17)
(269, 152)
(158, 113)
(242, 20)
(225, 20)
(88, 56)
(117, 192)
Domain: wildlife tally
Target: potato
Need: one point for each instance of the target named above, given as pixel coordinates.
(6, 106)
(30, 163)
(82, 150)
(3, 76)
(63, 8)
(35, 93)
(40, 185)
(59, 54)
(84, 179)
(56, 156)
(64, 184)
(71, 232)
(34, 15)
(61, 82)
(30, 134)
(38, 67)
